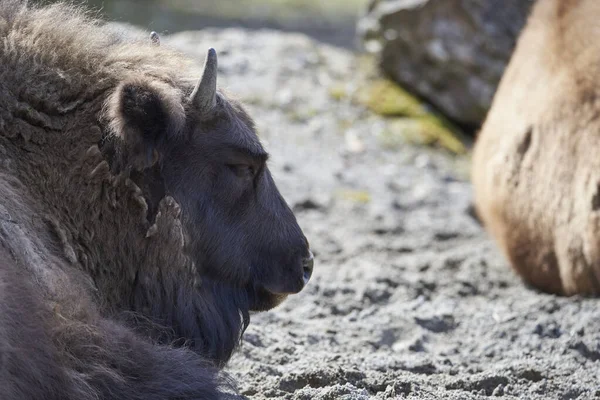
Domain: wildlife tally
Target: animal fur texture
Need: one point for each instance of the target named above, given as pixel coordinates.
(535, 172)
(137, 228)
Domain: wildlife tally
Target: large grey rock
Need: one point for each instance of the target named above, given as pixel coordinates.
(451, 52)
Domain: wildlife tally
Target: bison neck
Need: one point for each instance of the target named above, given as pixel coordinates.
(67, 214)
(103, 232)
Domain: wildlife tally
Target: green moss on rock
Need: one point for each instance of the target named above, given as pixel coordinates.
(385, 98)
(411, 120)
(422, 131)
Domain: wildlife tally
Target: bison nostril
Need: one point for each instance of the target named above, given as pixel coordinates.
(307, 268)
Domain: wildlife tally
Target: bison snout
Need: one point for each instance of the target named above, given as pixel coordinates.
(291, 281)
(307, 267)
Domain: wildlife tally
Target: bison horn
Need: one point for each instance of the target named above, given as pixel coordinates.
(155, 38)
(204, 96)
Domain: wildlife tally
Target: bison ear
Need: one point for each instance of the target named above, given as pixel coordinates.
(145, 115)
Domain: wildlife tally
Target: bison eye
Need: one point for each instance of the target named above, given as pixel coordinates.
(242, 170)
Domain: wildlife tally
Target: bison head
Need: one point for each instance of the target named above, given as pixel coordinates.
(202, 150)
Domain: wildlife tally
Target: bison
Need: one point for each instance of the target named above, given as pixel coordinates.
(535, 171)
(139, 222)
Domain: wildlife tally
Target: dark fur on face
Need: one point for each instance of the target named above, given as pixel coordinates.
(144, 222)
(249, 251)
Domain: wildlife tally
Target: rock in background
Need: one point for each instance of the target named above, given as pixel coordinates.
(450, 52)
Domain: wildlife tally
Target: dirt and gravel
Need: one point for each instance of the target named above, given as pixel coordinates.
(410, 298)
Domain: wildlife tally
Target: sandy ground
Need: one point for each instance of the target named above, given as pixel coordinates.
(410, 298)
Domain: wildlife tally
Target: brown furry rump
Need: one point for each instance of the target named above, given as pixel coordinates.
(536, 173)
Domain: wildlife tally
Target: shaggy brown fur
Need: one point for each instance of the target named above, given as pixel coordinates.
(535, 169)
(130, 255)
